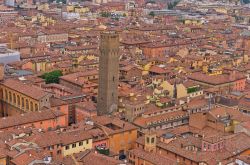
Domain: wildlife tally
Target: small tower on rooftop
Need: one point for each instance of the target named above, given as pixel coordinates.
(150, 141)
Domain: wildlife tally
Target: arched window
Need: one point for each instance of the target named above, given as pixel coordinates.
(18, 100)
(14, 98)
(152, 140)
(6, 95)
(27, 104)
(36, 107)
(10, 97)
(31, 106)
(22, 102)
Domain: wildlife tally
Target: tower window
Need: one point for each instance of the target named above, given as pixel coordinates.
(14, 98)
(18, 100)
(27, 104)
(10, 97)
(6, 95)
(31, 106)
(22, 102)
(113, 78)
(152, 140)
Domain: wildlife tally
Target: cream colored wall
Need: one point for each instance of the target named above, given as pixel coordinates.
(167, 86)
(82, 10)
(181, 91)
(221, 10)
(34, 102)
(78, 148)
(91, 57)
(196, 94)
(80, 58)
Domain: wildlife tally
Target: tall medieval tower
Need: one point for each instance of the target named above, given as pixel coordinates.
(108, 73)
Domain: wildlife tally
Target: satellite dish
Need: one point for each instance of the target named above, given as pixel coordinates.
(112, 108)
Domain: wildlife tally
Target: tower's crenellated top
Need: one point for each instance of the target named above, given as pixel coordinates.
(109, 39)
(109, 35)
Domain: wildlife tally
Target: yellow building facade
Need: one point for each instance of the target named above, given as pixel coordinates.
(20, 101)
(181, 89)
(16, 102)
(77, 147)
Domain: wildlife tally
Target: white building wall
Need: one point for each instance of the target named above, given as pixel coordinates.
(8, 56)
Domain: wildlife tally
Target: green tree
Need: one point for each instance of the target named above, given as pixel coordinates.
(105, 14)
(170, 6)
(152, 14)
(192, 89)
(151, 1)
(52, 77)
(63, 1)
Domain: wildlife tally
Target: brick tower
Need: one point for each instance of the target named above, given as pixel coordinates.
(108, 73)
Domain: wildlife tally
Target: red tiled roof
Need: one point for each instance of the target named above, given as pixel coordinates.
(30, 117)
(215, 79)
(26, 89)
(152, 157)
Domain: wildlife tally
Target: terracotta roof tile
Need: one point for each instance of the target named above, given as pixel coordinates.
(31, 91)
